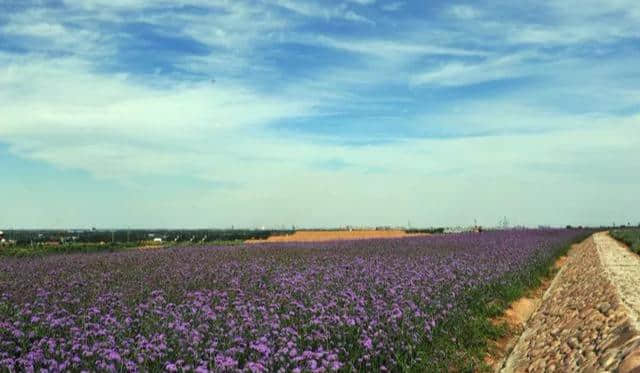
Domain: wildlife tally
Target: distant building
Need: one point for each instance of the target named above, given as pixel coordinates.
(5, 241)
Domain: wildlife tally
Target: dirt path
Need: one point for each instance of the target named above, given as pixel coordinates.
(623, 269)
(582, 324)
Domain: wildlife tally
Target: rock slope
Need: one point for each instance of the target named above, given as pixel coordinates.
(584, 323)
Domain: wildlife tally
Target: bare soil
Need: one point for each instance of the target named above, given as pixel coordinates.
(516, 317)
(311, 236)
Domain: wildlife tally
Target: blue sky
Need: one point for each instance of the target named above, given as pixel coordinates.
(215, 113)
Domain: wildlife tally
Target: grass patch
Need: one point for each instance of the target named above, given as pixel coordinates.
(26, 251)
(630, 236)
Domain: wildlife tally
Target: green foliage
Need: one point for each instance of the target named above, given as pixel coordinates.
(194, 236)
(630, 236)
(425, 230)
(48, 249)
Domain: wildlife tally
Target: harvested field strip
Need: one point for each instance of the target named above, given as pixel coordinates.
(319, 236)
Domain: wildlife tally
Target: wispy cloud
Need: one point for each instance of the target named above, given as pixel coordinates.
(261, 100)
(465, 12)
(74, 111)
(392, 49)
(363, 2)
(459, 74)
(392, 6)
(314, 9)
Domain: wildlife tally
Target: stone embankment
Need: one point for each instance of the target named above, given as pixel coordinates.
(588, 318)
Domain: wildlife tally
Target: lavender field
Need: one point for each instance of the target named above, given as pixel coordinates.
(388, 304)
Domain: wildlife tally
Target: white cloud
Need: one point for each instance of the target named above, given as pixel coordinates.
(53, 110)
(70, 114)
(48, 33)
(100, 5)
(59, 113)
(393, 49)
(464, 12)
(420, 172)
(353, 16)
(393, 6)
(363, 2)
(460, 74)
(571, 34)
(42, 29)
(313, 9)
(566, 23)
(582, 9)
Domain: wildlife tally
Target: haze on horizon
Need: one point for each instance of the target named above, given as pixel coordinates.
(140, 113)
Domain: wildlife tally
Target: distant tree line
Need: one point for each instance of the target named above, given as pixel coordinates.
(425, 230)
(27, 237)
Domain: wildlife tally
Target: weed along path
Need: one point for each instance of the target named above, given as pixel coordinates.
(588, 318)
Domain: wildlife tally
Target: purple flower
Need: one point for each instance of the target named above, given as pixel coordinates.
(255, 367)
(114, 356)
(294, 306)
(313, 364)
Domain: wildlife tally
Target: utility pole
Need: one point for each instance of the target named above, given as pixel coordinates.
(504, 223)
